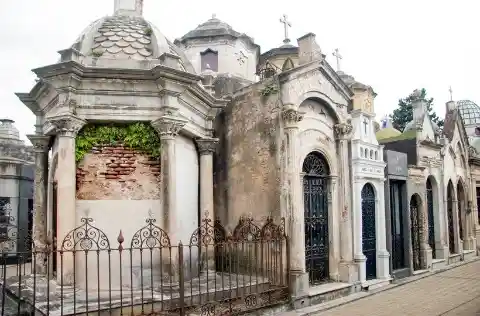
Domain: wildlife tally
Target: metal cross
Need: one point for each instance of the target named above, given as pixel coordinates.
(286, 25)
(451, 93)
(339, 57)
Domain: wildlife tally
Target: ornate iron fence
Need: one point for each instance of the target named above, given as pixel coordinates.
(215, 273)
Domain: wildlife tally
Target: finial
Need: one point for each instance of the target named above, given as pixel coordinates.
(214, 16)
(339, 57)
(128, 7)
(286, 25)
(150, 213)
(451, 93)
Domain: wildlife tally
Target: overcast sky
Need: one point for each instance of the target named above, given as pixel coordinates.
(394, 46)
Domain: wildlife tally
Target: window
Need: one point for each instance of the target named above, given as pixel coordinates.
(209, 60)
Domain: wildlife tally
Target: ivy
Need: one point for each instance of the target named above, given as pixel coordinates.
(269, 89)
(140, 136)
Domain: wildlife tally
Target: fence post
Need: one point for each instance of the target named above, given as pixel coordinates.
(181, 279)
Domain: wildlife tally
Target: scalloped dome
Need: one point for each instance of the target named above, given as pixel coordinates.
(8, 129)
(469, 111)
(125, 36)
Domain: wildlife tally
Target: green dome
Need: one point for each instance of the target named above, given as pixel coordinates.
(387, 132)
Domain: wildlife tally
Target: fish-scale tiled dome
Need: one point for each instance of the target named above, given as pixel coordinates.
(469, 111)
(127, 36)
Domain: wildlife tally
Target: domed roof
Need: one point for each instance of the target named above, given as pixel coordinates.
(8, 131)
(212, 28)
(469, 111)
(126, 36)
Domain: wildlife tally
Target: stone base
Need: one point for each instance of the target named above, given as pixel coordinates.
(375, 284)
(426, 255)
(441, 251)
(299, 284)
(401, 273)
(324, 293)
(439, 264)
(469, 255)
(454, 258)
(348, 272)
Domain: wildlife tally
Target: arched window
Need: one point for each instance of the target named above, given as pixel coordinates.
(209, 59)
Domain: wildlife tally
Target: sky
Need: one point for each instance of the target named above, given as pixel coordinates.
(393, 46)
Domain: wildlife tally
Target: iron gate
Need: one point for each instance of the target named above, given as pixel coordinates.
(415, 232)
(315, 190)
(368, 230)
(431, 225)
(396, 205)
(451, 233)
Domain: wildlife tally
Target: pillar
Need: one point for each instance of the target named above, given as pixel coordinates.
(168, 127)
(456, 228)
(66, 129)
(295, 216)
(334, 229)
(41, 145)
(206, 148)
(359, 257)
(425, 249)
(383, 256)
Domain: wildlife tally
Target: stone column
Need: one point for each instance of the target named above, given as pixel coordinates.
(383, 256)
(41, 147)
(295, 216)
(206, 148)
(346, 268)
(425, 249)
(359, 257)
(66, 128)
(168, 127)
(334, 229)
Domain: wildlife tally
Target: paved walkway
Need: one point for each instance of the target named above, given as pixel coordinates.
(454, 292)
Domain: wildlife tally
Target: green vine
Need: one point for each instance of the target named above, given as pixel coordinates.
(140, 136)
(270, 88)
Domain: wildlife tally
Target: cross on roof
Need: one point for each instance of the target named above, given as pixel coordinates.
(286, 25)
(339, 57)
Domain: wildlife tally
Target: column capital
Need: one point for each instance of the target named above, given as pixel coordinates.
(40, 143)
(343, 130)
(67, 125)
(291, 117)
(207, 146)
(168, 126)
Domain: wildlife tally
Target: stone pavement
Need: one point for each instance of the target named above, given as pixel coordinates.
(454, 292)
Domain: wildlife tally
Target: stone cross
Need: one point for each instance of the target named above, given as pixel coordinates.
(451, 93)
(366, 124)
(339, 57)
(286, 25)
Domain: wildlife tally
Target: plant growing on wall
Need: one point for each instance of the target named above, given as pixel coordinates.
(140, 136)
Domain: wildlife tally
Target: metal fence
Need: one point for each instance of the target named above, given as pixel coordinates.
(215, 273)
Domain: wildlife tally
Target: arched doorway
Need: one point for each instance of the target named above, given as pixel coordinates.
(315, 197)
(451, 231)
(369, 238)
(415, 227)
(431, 221)
(461, 208)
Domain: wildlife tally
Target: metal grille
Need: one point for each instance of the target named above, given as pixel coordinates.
(368, 230)
(415, 232)
(451, 232)
(431, 225)
(396, 206)
(315, 188)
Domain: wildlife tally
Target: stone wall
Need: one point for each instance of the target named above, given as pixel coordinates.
(247, 166)
(118, 173)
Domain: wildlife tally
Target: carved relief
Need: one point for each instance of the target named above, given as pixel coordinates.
(343, 130)
(169, 126)
(207, 145)
(67, 125)
(291, 117)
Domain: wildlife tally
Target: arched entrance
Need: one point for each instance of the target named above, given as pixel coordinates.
(415, 227)
(451, 231)
(315, 197)
(431, 221)
(461, 208)
(369, 238)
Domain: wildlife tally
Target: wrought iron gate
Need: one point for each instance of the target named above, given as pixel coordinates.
(315, 190)
(396, 206)
(368, 230)
(451, 233)
(431, 225)
(415, 232)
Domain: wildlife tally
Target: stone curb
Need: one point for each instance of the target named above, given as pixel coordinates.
(320, 308)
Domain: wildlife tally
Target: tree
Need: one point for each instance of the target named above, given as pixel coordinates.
(404, 113)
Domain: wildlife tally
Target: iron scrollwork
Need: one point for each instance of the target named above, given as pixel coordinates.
(86, 237)
(272, 231)
(150, 236)
(208, 234)
(246, 230)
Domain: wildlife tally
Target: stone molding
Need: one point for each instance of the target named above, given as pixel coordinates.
(40, 143)
(343, 130)
(207, 146)
(67, 125)
(291, 117)
(168, 126)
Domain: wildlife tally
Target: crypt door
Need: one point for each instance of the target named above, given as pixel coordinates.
(451, 232)
(315, 197)
(369, 239)
(396, 206)
(415, 231)
(431, 225)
